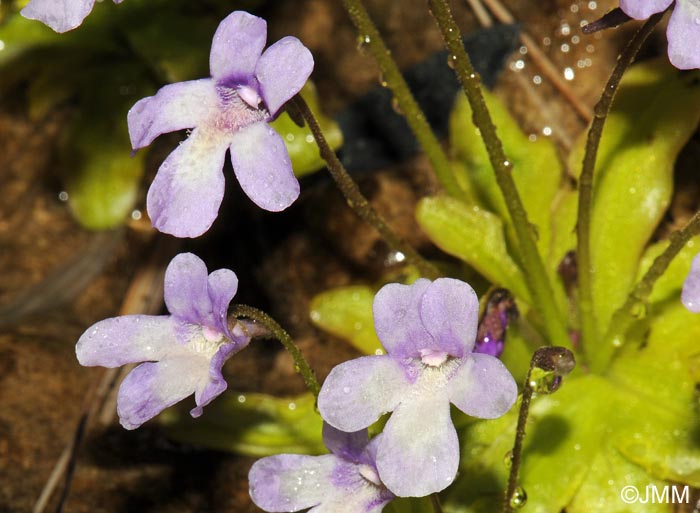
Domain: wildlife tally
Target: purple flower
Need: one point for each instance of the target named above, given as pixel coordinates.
(60, 15)
(226, 112)
(428, 330)
(683, 31)
(345, 481)
(691, 287)
(184, 351)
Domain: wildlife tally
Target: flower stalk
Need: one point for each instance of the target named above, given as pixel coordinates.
(391, 75)
(535, 272)
(623, 317)
(585, 196)
(300, 363)
(557, 362)
(356, 200)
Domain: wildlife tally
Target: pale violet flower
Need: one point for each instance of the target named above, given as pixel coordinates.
(60, 15)
(691, 287)
(230, 112)
(344, 481)
(183, 352)
(683, 31)
(428, 330)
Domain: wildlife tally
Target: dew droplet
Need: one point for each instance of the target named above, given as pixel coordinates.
(452, 61)
(639, 310)
(397, 108)
(508, 459)
(519, 498)
(544, 382)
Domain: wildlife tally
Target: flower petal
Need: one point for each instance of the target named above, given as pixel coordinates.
(290, 482)
(449, 310)
(174, 107)
(222, 285)
(348, 446)
(60, 16)
(356, 393)
(185, 290)
(282, 71)
(127, 339)
(186, 193)
(263, 168)
(642, 9)
(236, 48)
(684, 35)
(419, 451)
(151, 387)
(691, 287)
(215, 384)
(483, 387)
(397, 319)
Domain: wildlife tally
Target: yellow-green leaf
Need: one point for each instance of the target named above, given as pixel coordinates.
(251, 424)
(300, 142)
(473, 235)
(346, 312)
(655, 112)
(537, 170)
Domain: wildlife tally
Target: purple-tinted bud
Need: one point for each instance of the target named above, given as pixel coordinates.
(499, 312)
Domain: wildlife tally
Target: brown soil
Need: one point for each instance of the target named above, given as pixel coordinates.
(57, 278)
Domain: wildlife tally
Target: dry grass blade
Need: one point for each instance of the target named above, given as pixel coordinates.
(144, 295)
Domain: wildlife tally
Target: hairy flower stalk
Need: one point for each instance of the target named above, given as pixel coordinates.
(356, 200)
(369, 36)
(300, 363)
(585, 194)
(535, 272)
(622, 319)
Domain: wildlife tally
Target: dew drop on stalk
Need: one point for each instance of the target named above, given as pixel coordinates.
(508, 460)
(639, 310)
(452, 61)
(362, 41)
(519, 498)
(544, 382)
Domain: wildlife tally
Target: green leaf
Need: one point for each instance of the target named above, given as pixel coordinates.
(655, 112)
(473, 235)
(409, 505)
(251, 424)
(300, 142)
(177, 47)
(537, 170)
(346, 312)
(602, 487)
(102, 179)
(661, 376)
(572, 434)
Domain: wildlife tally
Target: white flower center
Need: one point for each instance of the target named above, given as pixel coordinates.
(208, 343)
(369, 474)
